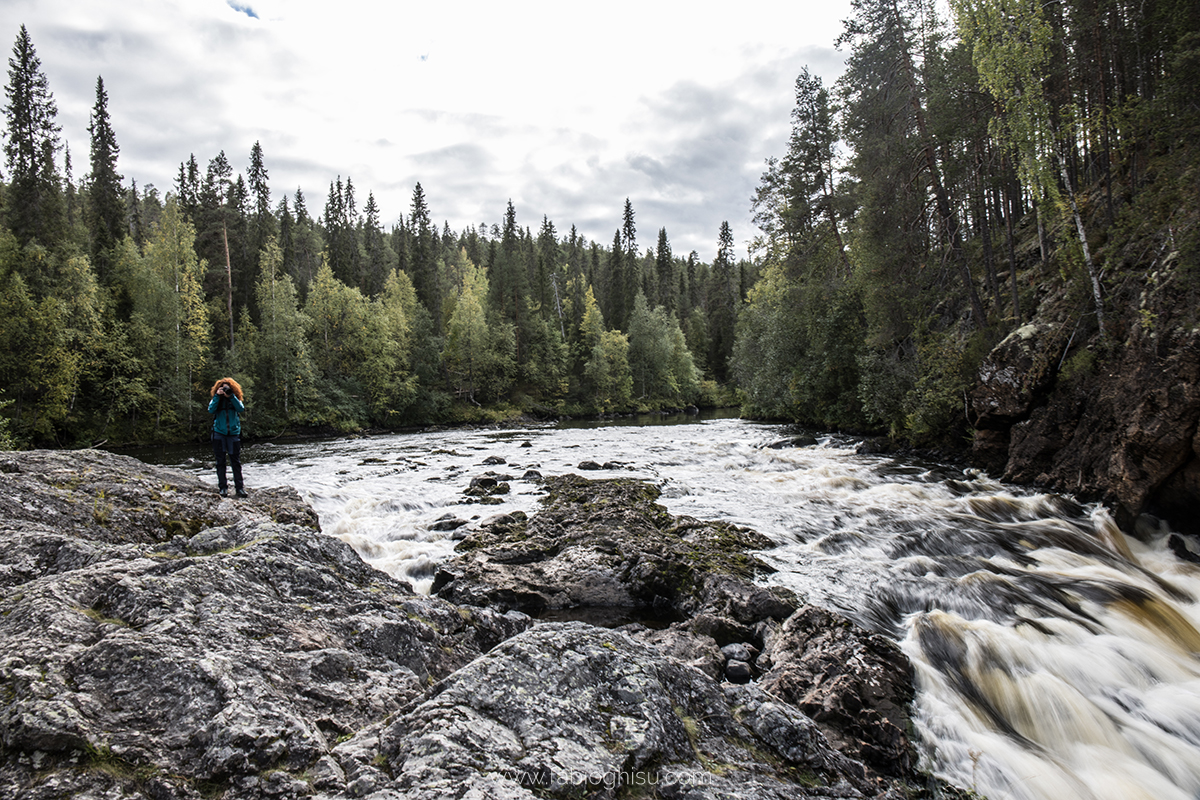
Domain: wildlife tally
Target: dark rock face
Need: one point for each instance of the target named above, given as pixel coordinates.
(856, 686)
(252, 658)
(1127, 435)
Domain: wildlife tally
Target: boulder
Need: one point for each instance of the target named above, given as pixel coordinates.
(857, 686)
(1015, 375)
(570, 710)
(608, 543)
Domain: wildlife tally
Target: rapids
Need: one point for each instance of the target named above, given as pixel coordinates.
(1055, 657)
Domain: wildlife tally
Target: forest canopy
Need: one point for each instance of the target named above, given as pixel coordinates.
(923, 204)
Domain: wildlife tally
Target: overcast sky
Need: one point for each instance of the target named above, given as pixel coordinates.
(564, 108)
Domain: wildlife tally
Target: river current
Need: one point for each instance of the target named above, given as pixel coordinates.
(1055, 657)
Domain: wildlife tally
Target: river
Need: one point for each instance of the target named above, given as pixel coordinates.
(1055, 657)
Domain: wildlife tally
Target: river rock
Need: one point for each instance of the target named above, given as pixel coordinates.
(608, 543)
(570, 710)
(856, 685)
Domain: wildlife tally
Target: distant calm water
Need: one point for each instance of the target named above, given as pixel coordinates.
(1055, 657)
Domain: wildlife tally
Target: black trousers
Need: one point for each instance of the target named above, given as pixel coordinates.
(232, 446)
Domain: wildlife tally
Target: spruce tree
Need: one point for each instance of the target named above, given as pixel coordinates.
(664, 265)
(422, 263)
(262, 225)
(33, 207)
(106, 207)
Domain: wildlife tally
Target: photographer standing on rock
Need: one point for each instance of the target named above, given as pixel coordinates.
(226, 407)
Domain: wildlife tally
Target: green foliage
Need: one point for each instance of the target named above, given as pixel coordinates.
(867, 272)
(607, 375)
(283, 372)
(1081, 364)
(480, 355)
(660, 364)
(798, 350)
(935, 405)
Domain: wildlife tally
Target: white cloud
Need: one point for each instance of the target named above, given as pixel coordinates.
(565, 109)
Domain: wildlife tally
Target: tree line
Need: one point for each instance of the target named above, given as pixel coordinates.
(924, 204)
(121, 305)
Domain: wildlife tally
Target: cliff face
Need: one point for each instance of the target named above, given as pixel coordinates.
(1112, 418)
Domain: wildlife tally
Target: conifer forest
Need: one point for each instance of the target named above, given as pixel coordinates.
(963, 169)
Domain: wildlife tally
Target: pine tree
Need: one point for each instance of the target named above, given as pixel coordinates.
(34, 207)
(664, 266)
(262, 225)
(106, 217)
(422, 258)
(379, 260)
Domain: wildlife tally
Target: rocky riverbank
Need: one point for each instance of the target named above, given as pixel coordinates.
(158, 641)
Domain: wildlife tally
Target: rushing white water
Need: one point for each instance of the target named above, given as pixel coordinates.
(1055, 658)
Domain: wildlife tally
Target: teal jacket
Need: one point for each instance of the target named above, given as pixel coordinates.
(226, 413)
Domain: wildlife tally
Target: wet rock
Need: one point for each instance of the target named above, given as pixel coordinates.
(488, 485)
(1179, 546)
(448, 522)
(794, 441)
(856, 685)
(613, 465)
(532, 475)
(590, 466)
(608, 543)
(492, 461)
(874, 445)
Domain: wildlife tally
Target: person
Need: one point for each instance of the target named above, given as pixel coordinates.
(227, 406)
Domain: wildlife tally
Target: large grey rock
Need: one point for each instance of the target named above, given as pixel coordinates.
(570, 710)
(103, 497)
(134, 658)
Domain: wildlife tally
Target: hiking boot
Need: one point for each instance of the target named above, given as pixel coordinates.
(223, 492)
(241, 493)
